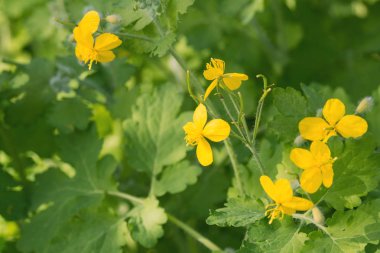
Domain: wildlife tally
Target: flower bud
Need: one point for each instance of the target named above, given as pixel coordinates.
(113, 19)
(319, 113)
(365, 105)
(299, 141)
(318, 216)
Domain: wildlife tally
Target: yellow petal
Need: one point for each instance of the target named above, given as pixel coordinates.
(105, 56)
(333, 110)
(241, 77)
(302, 158)
(90, 22)
(327, 175)
(81, 52)
(84, 38)
(189, 127)
(311, 180)
(320, 151)
(233, 80)
(204, 152)
(212, 73)
(219, 64)
(299, 204)
(200, 116)
(287, 210)
(210, 88)
(351, 126)
(216, 130)
(284, 190)
(328, 134)
(107, 41)
(313, 128)
(268, 187)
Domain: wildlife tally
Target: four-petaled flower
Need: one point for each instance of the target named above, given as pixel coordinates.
(282, 194)
(317, 165)
(335, 121)
(215, 72)
(197, 131)
(86, 49)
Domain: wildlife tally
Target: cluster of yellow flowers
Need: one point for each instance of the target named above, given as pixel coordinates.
(87, 50)
(197, 132)
(316, 163)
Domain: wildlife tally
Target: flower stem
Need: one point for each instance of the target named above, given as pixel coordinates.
(256, 157)
(136, 36)
(126, 196)
(193, 233)
(307, 219)
(260, 105)
(235, 167)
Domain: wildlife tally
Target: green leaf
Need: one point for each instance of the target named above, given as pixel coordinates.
(161, 46)
(145, 222)
(278, 237)
(154, 135)
(176, 178)
(291, 107)
(13, 202)
(58, 199)
(70, 114)
(92, 231)
(357, 167)
(289, 102)
(237, 213)
(349, 231)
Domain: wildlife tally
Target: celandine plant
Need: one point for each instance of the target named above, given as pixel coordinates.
(113, 166)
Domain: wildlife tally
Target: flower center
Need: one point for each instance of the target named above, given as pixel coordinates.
(274, 211)
(93, 56)
(193, 137)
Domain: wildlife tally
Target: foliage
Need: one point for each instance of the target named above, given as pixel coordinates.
(96, 161)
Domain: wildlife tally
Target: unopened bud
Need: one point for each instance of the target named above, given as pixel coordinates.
(319, 113)
(299, 141)
(318, 216)
(113, 19)
(365, 105)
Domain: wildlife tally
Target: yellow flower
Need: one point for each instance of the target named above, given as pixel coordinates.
(335, 121)
(317, 165)
(197, 131)
(282, 194)
(215, 72)
(86, 49)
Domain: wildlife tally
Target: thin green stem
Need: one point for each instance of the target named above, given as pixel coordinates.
(256, 157)
(310, 220)
(190, 90)
(126, 196)
(66, 23)
(136, 36)
(235, 167)
(193, 233)
(260, 105)
(241, 116)
(235, 122)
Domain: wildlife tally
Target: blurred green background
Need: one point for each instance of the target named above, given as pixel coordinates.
(335, 43)
(45, 92)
